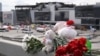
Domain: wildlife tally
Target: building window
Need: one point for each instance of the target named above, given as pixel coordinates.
(91, 22)
(23, 16)
(61, 16)
(97, 12)
(42, 16)
(88, 21)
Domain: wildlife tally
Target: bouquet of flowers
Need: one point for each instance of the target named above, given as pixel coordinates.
(34, 46)
(76, 47)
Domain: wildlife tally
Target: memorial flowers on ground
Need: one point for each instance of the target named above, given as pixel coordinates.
(34, 46)
(76, 47)
(61, 41)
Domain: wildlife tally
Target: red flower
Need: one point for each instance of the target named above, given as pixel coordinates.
(77, 52)
(76, 47)
(82, 41)
(73, 45)
(61, 51)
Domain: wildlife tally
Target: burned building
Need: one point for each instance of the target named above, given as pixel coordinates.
(89, 15)
(45, 12)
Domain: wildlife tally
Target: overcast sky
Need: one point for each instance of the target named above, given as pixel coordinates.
(7, 5)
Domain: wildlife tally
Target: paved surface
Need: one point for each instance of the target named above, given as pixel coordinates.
(14, 35)
(8, 47)
(12, 48)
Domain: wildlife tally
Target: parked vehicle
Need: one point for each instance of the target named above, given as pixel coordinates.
(40, 29)
(11, 27)
(3, 30)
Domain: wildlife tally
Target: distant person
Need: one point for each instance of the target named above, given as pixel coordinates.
(22, 26)
(93, 30)
(18, 28)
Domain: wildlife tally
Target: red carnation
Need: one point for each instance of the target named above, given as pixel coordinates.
(77, 52)
(61, 51)
(76, 48)
(73, 45)
(82, 41)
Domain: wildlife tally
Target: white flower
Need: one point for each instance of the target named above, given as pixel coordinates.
(26, 38)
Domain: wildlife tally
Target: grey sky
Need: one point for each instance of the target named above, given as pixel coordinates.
(9, 4)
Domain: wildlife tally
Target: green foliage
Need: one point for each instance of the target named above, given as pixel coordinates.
(59, 41)
(34, 46)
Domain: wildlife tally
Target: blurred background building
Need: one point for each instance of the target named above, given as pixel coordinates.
(45, 12)
(8, 17)
(51, 12)
(89, 15)
(1, 13)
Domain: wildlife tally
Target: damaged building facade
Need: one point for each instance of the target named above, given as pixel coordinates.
(51, 12)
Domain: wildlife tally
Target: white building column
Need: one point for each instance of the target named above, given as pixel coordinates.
(72, 17)
(32, 15)
(72, 14)
(14, 16)
(12, 21)
(52, 10)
